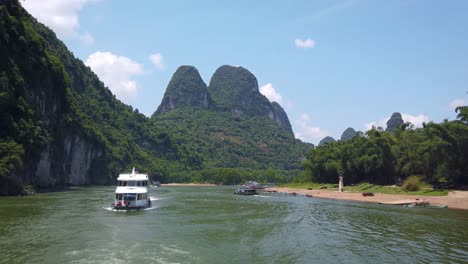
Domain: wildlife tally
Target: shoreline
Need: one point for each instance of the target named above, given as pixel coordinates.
(190, 184)
(454, 199)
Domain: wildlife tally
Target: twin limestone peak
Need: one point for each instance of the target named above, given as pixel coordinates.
(232, 89)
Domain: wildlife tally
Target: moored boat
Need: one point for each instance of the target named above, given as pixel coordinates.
(245, 190)
(131, 192)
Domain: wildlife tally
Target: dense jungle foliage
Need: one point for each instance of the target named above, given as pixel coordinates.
(436, 152)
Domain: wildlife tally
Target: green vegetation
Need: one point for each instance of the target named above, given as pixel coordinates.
(50, 100)
(439, 152)
(212, 141)
(47, 96)
(367, 187)
(411, 184)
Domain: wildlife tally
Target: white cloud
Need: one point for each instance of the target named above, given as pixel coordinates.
(456, 103)
(61, 16)
(270, 93)
(306, 43)
(381, 123)
(116, 72)
(157, 60)
(307, 132)
(415, 120)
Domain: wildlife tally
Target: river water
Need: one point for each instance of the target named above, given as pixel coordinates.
(211, 225)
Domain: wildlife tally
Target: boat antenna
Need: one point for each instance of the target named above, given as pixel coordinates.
(133, 171)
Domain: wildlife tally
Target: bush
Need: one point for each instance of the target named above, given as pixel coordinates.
(411, 184)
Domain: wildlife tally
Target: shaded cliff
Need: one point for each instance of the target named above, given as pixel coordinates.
(60, 125)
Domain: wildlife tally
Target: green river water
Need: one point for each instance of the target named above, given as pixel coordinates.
(211, 225)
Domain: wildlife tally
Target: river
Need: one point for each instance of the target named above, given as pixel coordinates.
(211, 225)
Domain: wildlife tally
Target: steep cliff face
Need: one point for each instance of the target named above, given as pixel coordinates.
(280, 117)
(394, 122)
(32, 73)
(186, 89)
(60, 125)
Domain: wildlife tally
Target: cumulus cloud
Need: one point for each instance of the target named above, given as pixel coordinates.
(306, 132)
(305, 44)
(116, 72)
(416, 120)
(157, 60)
(456, 103)
(61, 16)
(381, 123)
(271, 93)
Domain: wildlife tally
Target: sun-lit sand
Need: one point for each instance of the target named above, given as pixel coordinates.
(455, 199)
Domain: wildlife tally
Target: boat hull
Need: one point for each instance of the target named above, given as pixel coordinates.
(245, 192)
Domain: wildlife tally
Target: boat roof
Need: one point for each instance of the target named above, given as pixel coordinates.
(132, 176)
(127, 189)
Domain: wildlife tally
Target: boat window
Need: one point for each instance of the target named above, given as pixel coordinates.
(129, 196)
(122, 183)
(118, 196)
(131, 183)
(138, 183)
(145, 183)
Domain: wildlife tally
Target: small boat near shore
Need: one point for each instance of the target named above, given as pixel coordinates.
(245, 190)
(415, 203)
(131, 192)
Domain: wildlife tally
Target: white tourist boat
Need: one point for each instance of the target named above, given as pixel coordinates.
(131, 192)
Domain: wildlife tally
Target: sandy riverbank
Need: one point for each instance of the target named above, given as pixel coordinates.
(454, 200)
(189, 184)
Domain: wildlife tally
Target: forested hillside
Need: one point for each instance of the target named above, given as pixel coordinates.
(61, 126)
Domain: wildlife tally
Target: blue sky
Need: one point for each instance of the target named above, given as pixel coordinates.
(330, 64)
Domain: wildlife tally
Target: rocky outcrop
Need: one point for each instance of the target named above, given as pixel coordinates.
(326, 140)
(186, 89)
(349, 133)
(280, 117)
(235, 89)
(394, 122)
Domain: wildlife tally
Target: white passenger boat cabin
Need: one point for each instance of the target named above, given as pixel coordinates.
(132, 191)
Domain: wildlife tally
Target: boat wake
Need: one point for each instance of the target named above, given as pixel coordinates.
(130, 210)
